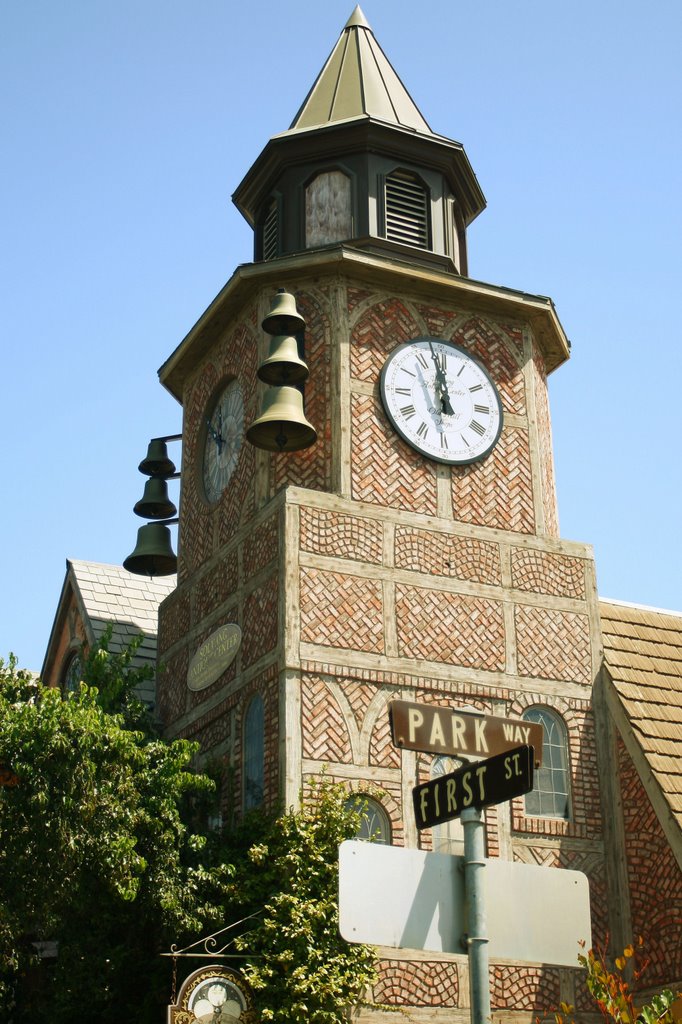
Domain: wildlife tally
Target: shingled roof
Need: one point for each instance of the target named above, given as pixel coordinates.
(109, 595)
(643, 658)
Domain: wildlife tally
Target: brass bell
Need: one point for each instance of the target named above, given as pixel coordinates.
(153, 554)
(157, 462)
(155, 503)
(283, 365)
(282, 426)
(283, 317)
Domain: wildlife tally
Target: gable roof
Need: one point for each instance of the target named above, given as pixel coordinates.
(643, 658)
(109, 594)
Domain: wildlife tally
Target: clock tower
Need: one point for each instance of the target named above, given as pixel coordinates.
(413, 551)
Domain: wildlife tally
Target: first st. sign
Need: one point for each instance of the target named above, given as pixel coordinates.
(439, 730)
(476, 785)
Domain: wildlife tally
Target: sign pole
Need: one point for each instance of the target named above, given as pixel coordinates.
(477, 937)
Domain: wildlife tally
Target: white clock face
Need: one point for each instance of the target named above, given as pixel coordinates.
(224, 433)
(441, 401)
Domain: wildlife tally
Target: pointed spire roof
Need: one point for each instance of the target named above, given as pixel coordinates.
(358, 80)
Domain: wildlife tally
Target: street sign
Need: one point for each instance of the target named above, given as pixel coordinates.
(440, 730)
(410, 899)
(492, 781)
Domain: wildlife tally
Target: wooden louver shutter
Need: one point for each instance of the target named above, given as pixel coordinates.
(407, 216)
(270, 239)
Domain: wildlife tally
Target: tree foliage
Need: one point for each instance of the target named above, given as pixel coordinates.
(613, 993)
(300, 968)
(103, 852)
(94, 852)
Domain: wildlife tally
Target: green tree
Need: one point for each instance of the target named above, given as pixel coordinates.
(94, 852)
(97, 854)
(300, 968)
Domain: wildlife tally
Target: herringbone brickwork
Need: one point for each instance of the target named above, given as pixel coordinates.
(385, 470)
(497, 492)
(214, 587)
(541, 572)
(171, 679)
(501, 357)
(379, 330)
(341, 611)
(261, 546)
(440, 554)
(412, 983)
(439, 322)
(324, 730)
(655, 878)
(174, 622)
(341, 536)
(382, 750)
(355, 296)
(260, 621)
(450, 628)
(553, 644)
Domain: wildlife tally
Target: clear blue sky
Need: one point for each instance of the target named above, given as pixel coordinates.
(126, 126)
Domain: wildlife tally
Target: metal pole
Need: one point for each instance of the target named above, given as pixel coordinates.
(477, 928)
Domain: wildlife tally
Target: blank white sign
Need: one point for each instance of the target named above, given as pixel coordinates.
(409, 899)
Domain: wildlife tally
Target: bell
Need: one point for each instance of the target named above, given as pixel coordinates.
(283, 317)
(283, 365)
(155, 503)
(157, 462)
(282, 426)
(153, 554)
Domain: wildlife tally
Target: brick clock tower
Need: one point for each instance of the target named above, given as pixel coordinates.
(413, 551)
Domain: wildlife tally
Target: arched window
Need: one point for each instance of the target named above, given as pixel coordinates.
(375, 823)
(406, 209)
(447, 837)
(254, 753)
(549, 797)
(72, 674)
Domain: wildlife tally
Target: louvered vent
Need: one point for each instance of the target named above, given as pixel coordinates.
(407, 212)
(270, 240)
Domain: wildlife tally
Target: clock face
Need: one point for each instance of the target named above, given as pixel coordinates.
(224, 433)
(441, 401)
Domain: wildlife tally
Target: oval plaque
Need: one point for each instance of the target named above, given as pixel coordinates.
(215, 655)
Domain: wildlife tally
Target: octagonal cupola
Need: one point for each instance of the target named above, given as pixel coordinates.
(360, 166)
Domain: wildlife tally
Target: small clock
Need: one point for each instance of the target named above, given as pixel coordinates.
(213, 995)
(441, 401)
(223, 441)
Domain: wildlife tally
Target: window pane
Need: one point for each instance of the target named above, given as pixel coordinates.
(254, 754)
(375, 824)
(549, 797)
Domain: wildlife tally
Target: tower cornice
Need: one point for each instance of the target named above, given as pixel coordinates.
(379, 269)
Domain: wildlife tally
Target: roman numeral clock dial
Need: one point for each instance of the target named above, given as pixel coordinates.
(441, 401)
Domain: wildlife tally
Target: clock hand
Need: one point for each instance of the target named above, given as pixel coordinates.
(442, 393)
(215, 434)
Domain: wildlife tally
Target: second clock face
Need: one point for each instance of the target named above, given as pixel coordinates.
(441, 401)
(224, 433)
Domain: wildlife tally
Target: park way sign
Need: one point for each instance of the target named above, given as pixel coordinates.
(438, 730)
(486, 782)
